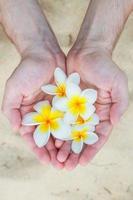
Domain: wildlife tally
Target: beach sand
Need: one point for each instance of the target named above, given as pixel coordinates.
(110, 174)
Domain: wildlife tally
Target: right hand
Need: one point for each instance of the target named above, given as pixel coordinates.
(22, 90)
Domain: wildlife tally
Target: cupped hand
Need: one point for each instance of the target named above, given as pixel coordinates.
(98, 71)
(22, 90)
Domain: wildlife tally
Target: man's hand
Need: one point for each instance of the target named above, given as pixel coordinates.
(23, 90)
(28, 28)
(98, 71)
(90, 56)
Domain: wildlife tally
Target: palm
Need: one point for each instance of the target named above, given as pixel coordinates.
(24, 89)
(97, 71)
(40, 73)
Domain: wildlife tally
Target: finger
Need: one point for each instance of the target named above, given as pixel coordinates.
(53, 154)
(14, 117)
(119, 96)
(103, 129)
(72, 161)
(26, 129)
(64, 151)
(30, 100)
(26, 109)
(103, 111)
(10, 107)
(103, 97)
(58, 143)
(42, 154)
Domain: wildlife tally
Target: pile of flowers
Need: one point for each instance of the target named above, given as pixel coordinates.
(70, 116)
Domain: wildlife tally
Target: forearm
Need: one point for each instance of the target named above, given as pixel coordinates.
(103, 23)
(27, 26)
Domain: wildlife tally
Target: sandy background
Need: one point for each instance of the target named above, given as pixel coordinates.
(110, 175)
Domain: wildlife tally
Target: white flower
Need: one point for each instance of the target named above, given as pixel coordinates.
(72, 116)
(76, 103)
(80, 135)
(59, 90)
(48, 120)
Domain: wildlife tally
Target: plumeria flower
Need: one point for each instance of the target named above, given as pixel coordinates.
(47, 120)
(80, 135)
(76, 103)
(59, 90)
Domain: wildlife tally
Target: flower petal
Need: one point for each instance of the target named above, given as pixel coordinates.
(90, 94)
(55, 98)
(85, 126)
(49, 89)
(59, 75)
(77, 146)
(90, 109)
(91, 128)
(32, 119)
(56, 114)
(69, 118)
(40, 105)
(92, 138)
(94, 119)
(63, 132)
(72, 89)
(74, 78)
(60, 104)
(41, 136)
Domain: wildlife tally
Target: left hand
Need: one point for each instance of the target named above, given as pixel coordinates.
(97, 70)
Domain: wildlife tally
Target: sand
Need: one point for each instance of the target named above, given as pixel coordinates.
(110, 174)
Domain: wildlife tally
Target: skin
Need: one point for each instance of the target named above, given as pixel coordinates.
(40, 54)
(90, 56)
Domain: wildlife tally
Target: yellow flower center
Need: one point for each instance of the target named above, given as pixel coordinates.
(77, 105)
(48, 118)
(50, 123)
(61, 90)
(81, 121)
(79, 135)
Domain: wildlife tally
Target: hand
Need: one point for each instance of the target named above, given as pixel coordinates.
(22, 90)
(97, 70)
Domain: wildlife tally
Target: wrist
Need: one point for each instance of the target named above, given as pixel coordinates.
(27, 26)
(42, 48)
(45, 53)
(90, 47)
(102, 28)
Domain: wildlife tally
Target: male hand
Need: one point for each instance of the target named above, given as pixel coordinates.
(33, 37)
(22, 91)
(98, 71)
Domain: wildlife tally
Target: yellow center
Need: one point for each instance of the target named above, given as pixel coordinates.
(79, 135)
(61, 90)
(81, 121)
(48, 119)
(77, 105)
